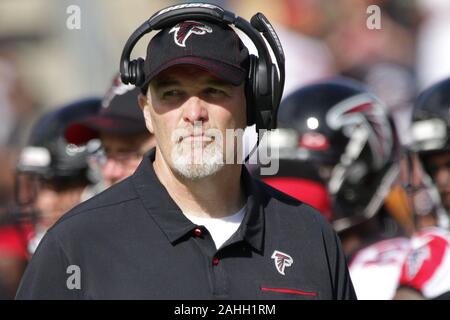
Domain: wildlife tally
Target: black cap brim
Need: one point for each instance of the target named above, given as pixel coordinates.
(229, 73)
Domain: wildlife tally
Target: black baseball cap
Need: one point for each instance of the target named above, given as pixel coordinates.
(120, 114)
(215, 47)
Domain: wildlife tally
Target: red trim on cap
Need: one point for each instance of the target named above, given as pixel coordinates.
(291, 291)
(81, 132)
(78, 133)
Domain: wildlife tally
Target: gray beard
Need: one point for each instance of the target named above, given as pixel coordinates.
(197, 162)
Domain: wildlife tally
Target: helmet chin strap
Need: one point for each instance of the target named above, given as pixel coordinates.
(443, 217)
(442, 214)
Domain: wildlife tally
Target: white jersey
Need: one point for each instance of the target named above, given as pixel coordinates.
(375, 270)
(427, 266)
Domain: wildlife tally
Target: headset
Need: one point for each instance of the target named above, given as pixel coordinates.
(264, 85)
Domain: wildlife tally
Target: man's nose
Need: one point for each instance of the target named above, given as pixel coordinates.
(442, 177)
(112, 170)
(47, 200)
(195, 110)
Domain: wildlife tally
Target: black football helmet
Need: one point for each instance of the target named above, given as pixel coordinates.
(47, 156)
(345, 132)
(430, 125)
(430, 135)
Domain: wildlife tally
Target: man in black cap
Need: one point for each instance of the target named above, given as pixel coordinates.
(187, 225)
(120, 127)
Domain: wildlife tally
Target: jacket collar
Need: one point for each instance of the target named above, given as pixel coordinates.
(168, 216)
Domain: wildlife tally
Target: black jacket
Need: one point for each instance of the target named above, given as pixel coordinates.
(133, 242)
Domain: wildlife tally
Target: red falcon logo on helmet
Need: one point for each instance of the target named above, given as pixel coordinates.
(282, 260)
(364, 112)
(183, 30)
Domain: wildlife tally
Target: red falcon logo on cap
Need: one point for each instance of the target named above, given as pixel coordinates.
(282, 260)
(183, 30)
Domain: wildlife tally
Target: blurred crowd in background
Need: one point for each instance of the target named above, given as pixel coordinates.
(47, 67)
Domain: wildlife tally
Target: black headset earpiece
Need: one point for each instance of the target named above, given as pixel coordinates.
(260, 23)
(264, 85)
(136, 71)
(250, 89)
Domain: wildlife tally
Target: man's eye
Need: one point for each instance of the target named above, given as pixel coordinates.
(447, 164)
(172, 94)
(215, 92)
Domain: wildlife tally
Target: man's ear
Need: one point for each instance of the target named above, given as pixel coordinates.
(145, 107)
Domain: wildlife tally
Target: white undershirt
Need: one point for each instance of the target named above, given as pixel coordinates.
(221, 229)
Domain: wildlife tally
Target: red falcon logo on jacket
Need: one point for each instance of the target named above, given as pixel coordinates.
(282, 260)
(183, 30)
